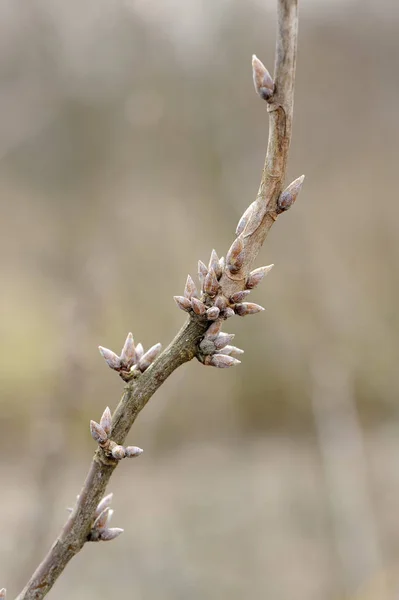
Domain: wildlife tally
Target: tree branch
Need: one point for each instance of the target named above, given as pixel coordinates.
(221, 298)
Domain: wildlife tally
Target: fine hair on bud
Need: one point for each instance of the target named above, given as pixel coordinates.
(106, 421)
(182, 302)
(198, 307)
(104, 503)
(242, 223)
(239, 296)
(264, 84)
(128, 354)
(223, 339)
(213, 330)
(190, 290)
(212, 313)
(215, 264)
(111, 533)
(112, 359)
(102, 519)
(256, 276)
(149, 357)
(97, 433)
(247, 308)
(139, 351)
(228, 312)
(231, 350)
(211, 284)
(290, 194)
(235, 255)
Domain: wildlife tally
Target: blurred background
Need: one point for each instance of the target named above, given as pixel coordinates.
(131, 141)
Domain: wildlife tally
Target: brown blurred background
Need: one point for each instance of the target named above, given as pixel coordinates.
(131, 141)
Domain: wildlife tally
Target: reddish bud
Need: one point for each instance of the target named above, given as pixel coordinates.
(222, 361)
(223, 339)
(190, 290)
(239, 296)
(198, 307)
(256, 276)
(149, 357)
(212, 313)
(110, 534)
(247, 308)
(235, 256)
(215, 264)
(133, 451)
(106, 421)
(202, 271)
(211, 284)
(182, 302)
(242, 223)
(97, 433)
(213, 330)
(112, 359)
(118, 452)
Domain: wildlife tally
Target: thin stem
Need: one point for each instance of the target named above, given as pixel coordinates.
(184, 347)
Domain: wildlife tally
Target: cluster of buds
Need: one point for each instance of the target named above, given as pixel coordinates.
(216, 350)
(3, 593)
(100, 530)
(100, 432)
(133, 360)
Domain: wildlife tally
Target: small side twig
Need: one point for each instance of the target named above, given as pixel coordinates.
(224, 288)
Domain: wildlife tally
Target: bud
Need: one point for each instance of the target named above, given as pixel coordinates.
(190, 290)
(139, 351)
(97, 433)
(110, 534)
(264, 84)
(112, 359)
(212, 313)
(231, 350)
(242, 223)
(221, 361)
(235, 256)
(228, 312)
(103, 504)
(106, 421)
(133, 451)
(182, 302)
(290, 194)
(149, 356)
(202, 271)
(213, 330)
(118, 452)
(215, 265)
(247, 308)
(223, 339)
(102, 519)
(128, 354)
(211, 284)
(221, 302)
(256, 276)
(198, 307)
(239, 296)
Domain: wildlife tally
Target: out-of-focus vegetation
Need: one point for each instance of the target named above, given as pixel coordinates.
(131, 141)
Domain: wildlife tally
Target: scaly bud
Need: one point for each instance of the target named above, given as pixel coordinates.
(110, 534)
(256, 276)
(149, 356)
(103, 504)
(228, 312)
(139, 351)
(231, 350)
(190, 290)
(215, 265)
(128, 354)
(106, 421)
(182, 302)
(242, 223)
(211, 284)
(223, 339)
(198, 307)
(264, 84)
(221, 361)
(112, 359)
(290, 194)
(239, 296)
(202, 272)
(133, 451)
(235, 256)
(221, 302)
(102, 519)
(118, 452)
(247, 308)
(97, 433)
(212, 313)
(213, 330)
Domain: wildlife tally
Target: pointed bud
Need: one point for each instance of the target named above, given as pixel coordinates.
(102, 519)
(221, 361)
(231, 350)
(149, 357)
(264, 84)
(103, 504)
(228, 312)
(223, 339)
(198, 307)
(97, 433)
(242, 223)
(106, 421)
(235, 256)
(247, 308)
(202, 272)
(133, 451)
(112, 359)
(256, 276)
(221, 264)
(221, 302)
(190, 290)
(290, 194)
(139, 351)
(212, 313)
(211, 284)
(110, 534)
(239, 296)
(182, 302)
(118, 452)
(215, 265)
(3, 593)
(128, 354)
(213, 330)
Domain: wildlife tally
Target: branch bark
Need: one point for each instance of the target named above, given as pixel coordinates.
(184, 347)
